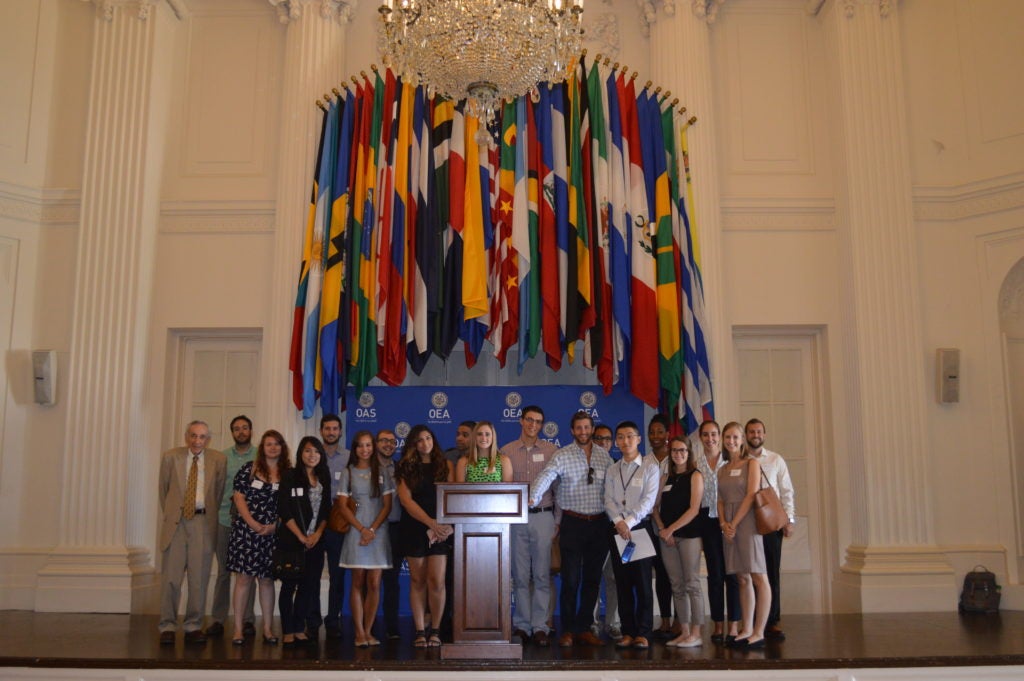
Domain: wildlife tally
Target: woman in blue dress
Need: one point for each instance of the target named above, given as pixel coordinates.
(366, 550)
(253, 532)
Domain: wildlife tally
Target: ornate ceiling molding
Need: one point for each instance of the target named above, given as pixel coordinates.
(849, 7)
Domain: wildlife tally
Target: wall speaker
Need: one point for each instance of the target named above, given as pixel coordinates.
(947, 375)
(44, 376)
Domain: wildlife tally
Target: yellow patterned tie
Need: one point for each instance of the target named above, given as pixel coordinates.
(189, 510)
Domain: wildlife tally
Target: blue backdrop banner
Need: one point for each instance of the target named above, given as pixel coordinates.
(443, 408)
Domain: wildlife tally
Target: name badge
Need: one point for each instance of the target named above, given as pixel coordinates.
(337, 475)
(274, 486)
(298, 491)
(736, 473)
(538, 457)
(257, 484)
(636, 482)
(666, 488)
(599, 475)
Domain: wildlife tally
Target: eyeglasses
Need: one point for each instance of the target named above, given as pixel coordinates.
(532, 419)
(602, 438)
(590, 475)
(680, 450)
(387, 441)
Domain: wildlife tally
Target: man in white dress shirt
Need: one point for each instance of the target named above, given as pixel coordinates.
(775, 469)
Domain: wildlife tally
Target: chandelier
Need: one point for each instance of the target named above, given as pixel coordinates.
(484, 51)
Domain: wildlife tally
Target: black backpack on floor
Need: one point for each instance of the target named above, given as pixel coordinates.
(980, 592)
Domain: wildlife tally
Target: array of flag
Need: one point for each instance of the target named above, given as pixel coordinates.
(567, 234)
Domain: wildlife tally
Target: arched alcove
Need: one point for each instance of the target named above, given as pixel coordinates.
(1011, 326)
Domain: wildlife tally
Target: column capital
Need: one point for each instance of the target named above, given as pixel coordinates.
(293, 10)
(705, 10)
(849, 7)
(143, 9)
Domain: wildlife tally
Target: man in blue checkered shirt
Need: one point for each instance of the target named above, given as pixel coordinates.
(580, 469)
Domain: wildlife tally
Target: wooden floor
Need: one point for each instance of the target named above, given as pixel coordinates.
(813, 642)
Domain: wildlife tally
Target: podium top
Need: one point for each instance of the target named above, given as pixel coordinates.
(482, 502)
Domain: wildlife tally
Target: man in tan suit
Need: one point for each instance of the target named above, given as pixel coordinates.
(189, 528)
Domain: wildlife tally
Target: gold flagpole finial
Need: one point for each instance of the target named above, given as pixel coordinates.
(320, 105)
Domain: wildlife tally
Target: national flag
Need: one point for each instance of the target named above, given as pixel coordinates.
(295, 361)
(423, 243)
(524, 233)
(332, 357)
(551, 307)
(505, 269)
(644, 380)
(476, 231)
(569, 317)
(665, 260)
(392, 312)
(619, 227)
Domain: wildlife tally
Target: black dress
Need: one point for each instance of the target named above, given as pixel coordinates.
(412, 533)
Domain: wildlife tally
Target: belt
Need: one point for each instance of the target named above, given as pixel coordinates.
(542, 510)
(583, 516)
(200, 511)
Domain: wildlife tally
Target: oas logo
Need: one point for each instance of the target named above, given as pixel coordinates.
(402, 429)
(366, 400)
(513, 400)
(588, 399)
(439, 400)
(550, 429)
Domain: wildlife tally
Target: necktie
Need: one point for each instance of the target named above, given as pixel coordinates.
(188, 511)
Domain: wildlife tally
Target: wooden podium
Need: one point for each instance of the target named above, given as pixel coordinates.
(482, 602)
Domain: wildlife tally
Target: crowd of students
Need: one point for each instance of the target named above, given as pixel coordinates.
(639, 523)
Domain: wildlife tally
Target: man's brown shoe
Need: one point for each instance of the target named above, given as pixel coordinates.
(167, 638)
(641, 643)
(541, 639)
(624, 642)
(565, 640)
(588, 638)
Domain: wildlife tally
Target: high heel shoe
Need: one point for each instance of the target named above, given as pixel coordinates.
(270, 640)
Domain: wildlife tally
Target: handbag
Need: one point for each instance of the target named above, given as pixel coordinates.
(287, 564)
(336, 521)
(768, 511)
(980, 592)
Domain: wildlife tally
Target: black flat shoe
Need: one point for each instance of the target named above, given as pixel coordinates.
(718, 638)
(271, 640)
(237, 641)
(754, 645)
(738, 643)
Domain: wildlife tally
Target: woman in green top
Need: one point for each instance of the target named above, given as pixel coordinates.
(483, 462)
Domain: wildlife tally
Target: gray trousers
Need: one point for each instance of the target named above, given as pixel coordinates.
(682, 563)
(531, 571)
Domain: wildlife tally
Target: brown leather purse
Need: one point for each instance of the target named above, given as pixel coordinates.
(336, 521)
(768, 511)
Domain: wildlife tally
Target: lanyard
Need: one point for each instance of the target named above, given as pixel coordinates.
(625, 485)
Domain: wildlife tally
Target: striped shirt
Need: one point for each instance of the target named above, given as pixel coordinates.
(570, 467)
(710, 499)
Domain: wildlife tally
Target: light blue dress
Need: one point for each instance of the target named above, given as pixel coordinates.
(376, 554)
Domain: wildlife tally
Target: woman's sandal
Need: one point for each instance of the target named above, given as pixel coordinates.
(435, 639)
(419, 639)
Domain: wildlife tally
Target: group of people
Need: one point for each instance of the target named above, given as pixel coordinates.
(640, 519)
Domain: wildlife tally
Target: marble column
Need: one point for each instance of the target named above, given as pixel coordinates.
(681, 61)
(892, 562)
(95, 567)
(314, 63)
